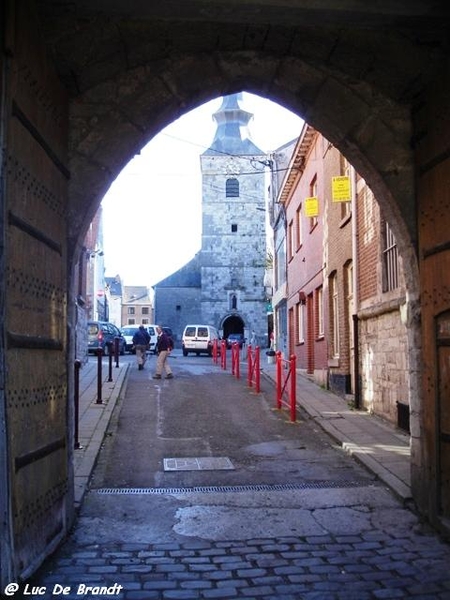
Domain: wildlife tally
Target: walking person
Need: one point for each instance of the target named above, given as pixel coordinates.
(164, 347)
(141, 340)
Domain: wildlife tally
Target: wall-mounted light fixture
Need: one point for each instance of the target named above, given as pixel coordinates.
(93, 253)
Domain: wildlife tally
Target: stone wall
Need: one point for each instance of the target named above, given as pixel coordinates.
(384, 366)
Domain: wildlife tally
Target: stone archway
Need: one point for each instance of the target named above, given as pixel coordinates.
(83, 88)
(232, 324)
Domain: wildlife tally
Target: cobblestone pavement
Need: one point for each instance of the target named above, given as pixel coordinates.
(348, 567)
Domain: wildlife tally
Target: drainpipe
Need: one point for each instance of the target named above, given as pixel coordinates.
(356, 386)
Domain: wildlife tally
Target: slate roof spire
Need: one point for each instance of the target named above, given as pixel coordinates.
(232, 133)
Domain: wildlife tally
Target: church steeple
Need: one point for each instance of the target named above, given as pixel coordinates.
(232, 133)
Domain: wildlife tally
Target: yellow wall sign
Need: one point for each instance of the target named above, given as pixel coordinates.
(312, 206)
(341, 189)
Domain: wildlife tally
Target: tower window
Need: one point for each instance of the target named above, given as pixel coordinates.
(233, 227)
(232, 188)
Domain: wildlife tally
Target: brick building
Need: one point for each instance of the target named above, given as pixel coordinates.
(305, 260)
(344, 291)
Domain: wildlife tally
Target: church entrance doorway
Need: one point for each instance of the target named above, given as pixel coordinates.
(232, 324)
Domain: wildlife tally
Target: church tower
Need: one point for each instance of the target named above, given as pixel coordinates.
(233, 249)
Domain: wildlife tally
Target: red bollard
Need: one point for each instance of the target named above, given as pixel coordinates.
(223, 355)
(235, 360)
(293, 394)
(215, 354)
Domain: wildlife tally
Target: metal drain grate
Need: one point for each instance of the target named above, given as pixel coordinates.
(211, 489)
(200, 463)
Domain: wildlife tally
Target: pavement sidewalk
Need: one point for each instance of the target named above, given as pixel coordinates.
(94, 417)
(381, 447)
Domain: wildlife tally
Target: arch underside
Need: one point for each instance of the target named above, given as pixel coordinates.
(124, 72)
(128, 79)
(356, 86)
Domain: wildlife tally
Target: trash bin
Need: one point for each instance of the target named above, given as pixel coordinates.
(270, 357)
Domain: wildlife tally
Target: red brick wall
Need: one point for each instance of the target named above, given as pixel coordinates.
(305, 267)
(339, 240)
(368, 244)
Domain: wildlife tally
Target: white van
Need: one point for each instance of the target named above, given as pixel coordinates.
(153, 336)
(199, 338)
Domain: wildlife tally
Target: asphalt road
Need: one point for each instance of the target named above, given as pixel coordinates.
(281, 478)
(206, 412)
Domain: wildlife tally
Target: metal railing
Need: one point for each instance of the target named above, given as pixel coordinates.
(254, 370)
(235, 360)
(286, 395)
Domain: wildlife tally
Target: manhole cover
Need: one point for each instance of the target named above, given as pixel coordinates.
(203, 463)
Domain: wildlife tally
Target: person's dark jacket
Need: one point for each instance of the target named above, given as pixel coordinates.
(141, 337)
(163, 343)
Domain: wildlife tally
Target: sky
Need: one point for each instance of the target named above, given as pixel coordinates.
(161, 188)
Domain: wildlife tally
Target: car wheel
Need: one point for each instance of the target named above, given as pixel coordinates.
(185, 352)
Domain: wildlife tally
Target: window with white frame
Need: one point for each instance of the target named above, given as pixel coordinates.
(313, 194)
(298, 226)
(334, 305)
(300, 323)
(291, 240)
(349, 308)
(319, 312)
(346, 207)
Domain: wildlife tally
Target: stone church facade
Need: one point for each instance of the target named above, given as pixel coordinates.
(223, 285)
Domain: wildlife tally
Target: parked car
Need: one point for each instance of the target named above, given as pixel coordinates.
(198, 339)
(235, 337)
(168, 331)
(128, 332)
(100, 333)
(153, 337)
